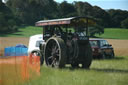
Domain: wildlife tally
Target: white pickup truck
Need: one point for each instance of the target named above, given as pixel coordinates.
(33, 47)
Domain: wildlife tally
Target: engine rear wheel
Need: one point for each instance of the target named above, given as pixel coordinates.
(75, 65)
(55, 52)
(88, 57)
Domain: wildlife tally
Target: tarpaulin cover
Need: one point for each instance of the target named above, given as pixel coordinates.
(16, 51)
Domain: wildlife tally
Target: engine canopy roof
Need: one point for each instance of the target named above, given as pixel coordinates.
(72, 21)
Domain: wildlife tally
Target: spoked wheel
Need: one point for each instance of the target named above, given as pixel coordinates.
(88, 57)
(55, 52)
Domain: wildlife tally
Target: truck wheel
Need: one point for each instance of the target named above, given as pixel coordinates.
(55, 52)
(37, 53)
(88, 57)
(112, 55)
(104, 56)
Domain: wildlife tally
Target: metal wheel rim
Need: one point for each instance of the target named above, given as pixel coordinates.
(53, 56)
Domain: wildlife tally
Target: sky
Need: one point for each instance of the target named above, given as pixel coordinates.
(104, 4)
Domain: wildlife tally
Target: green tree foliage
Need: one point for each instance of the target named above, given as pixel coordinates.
(117, 16)
(102, 15)
(7, 20)
(83, 8)
(97, 29)
(67, 10)
(30, 11)
(124, 23)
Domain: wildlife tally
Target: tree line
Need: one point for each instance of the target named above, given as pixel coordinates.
(14, 13)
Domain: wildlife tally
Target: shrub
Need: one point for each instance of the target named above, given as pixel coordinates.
(124, 23)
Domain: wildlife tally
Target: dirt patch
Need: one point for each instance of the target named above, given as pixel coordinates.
(11, 41)
(120, 46)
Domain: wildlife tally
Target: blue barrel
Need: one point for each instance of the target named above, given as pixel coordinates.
(15, 51)
(21, 51)
(7, 51)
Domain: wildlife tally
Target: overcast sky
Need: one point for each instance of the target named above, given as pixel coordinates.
(105, 4)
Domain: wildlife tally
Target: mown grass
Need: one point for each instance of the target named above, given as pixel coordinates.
(24, 32)
(114, 33)
(110, 33)
(102, 72)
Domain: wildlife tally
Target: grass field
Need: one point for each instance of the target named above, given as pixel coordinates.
(102, 72)
(114, 33)
(24, 32)
(110, 33)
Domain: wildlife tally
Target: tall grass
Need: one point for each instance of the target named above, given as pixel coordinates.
(102, 72)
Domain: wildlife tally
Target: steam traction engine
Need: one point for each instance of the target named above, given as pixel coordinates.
(67, 42)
